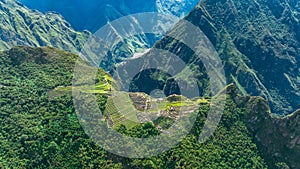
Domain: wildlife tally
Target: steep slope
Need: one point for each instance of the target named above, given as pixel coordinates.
(39, 131)
(278, 138)
(93, 14)
(22, 26)
(258, 42)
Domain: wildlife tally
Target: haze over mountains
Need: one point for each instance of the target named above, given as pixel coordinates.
(29, 27)
(22, 26)
(247, 36)
(93, 14)
(258, 42)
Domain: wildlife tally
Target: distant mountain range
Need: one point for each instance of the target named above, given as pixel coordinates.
(93, 14)
(22, 26)
(258, 42)
(28, 27)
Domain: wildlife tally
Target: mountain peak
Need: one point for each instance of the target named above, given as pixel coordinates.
(259, 47)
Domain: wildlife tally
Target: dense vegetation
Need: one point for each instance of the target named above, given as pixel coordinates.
(258, 41)
(22, 26)
(40, 128)
(253, 33)
(93, 14)
(38, 131)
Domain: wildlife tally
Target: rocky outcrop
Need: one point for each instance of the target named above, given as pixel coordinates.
(278, 138)
(258, 42)
(93, 14)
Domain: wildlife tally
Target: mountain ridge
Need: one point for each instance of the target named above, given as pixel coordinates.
(46, 132)
(22, 26)
(92, 15)
(260, 52)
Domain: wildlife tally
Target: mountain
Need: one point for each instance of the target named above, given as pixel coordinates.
(22, 26)
(93, 14)
(258, 42)
(40, 128)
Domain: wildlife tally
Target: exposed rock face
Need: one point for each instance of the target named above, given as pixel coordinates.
(259, 43)
(278, 138)
(93, 14)
(42, 69)
(178, 8)
(22, 26)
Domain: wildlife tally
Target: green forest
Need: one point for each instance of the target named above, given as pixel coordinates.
(38, 131)
(136, 73)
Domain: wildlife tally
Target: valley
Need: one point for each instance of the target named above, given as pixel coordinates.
(52, 98)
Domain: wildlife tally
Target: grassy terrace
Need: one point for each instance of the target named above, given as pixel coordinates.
(123, 108)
